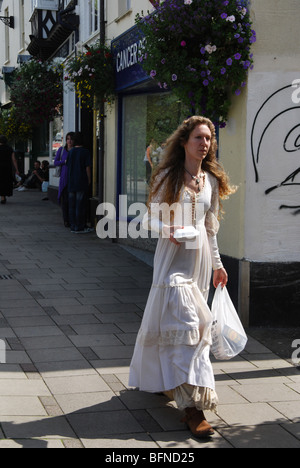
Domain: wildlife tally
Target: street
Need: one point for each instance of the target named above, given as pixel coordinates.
(70, 309)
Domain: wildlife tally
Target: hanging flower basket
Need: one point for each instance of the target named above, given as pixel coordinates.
(92, 73)
(12, 128)
(201, 50)
(37, 92)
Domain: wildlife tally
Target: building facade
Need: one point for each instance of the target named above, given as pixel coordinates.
(260, 233)
(15, 29)
(259, 237)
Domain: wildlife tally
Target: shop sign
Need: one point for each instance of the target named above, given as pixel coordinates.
(126, 51)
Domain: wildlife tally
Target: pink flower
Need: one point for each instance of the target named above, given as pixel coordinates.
(183, 44)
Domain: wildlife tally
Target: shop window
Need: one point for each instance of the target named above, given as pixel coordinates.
(148, 120)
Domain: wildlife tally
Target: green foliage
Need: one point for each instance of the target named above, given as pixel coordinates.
(12, 128)
(37, 92)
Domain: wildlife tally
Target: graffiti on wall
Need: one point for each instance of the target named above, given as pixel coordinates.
(278, 121)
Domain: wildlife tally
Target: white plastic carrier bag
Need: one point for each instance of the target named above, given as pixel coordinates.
(228, 335)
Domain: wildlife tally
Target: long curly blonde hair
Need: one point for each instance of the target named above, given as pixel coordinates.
(173, 163)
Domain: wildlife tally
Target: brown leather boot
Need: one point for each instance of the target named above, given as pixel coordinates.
(197, 423)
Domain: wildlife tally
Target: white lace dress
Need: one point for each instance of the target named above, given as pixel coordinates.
(173, 344)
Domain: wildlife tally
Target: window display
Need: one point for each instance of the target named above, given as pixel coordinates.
(148, 120)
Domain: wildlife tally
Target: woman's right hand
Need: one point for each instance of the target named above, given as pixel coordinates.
(168, 233)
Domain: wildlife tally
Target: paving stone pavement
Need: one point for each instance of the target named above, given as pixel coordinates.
(70, 308)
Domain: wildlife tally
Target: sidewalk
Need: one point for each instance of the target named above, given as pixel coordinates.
(70, 308)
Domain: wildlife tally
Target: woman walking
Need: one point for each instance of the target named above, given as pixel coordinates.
(7, 162)
(61, 161)
(172, 349)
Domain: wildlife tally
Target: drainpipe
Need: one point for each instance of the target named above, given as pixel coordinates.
(95, 151)
(102, 116)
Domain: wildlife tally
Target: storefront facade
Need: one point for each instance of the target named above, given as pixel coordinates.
(259, 252)
(259, 236)
(146, 118)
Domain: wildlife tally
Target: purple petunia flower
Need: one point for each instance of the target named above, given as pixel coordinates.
(205, 82)
(237, 56)
(224, 15)
(174, 77)
(229, 62)
(223, 71)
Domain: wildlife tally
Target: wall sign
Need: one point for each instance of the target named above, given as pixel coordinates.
(125, 50)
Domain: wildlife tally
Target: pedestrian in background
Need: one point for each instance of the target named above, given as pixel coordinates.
(7, 162)
(79, 180)
(34, 179)
(45, 179)
(61, 162)
(173, 345)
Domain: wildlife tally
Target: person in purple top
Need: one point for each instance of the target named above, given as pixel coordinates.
(61, 161)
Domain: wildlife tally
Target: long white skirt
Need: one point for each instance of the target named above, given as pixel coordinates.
(173, 344)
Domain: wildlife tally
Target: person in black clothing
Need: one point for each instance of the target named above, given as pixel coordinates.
(7, 161)
(79, 176)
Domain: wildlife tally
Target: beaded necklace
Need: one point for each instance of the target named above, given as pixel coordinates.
(197, 179)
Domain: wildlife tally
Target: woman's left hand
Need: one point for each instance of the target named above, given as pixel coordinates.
(220, 277)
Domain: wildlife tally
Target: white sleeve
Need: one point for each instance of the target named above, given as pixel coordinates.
(152, 223)
(212, 226)
(215, 253)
